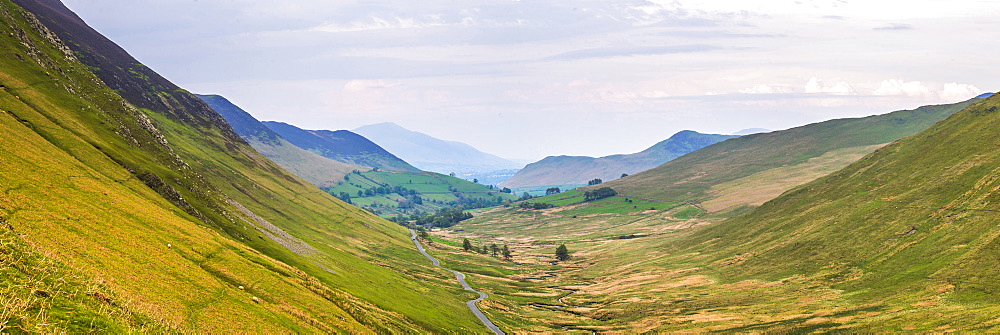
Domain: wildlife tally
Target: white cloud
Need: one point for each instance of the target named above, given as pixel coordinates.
(956, 91)
(767, 89)
(815, 85)
(900, 87)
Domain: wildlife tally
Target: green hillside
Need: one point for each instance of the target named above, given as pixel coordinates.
(903, 240)
(395, 193)
(745, 172)
(570, 170)
(119, 218)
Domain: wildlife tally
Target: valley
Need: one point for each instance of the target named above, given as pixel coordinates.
(129, 204)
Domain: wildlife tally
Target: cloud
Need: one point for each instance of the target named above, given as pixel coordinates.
(767, 89)
(900, 87)
(376, 23)
(894, 26)
(816, 85)
(956, 91)
(631, 51)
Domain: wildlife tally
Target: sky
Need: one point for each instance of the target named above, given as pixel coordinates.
(525, 79)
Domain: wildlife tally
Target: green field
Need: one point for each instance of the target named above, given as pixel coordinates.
(540, 190)
(401, 188)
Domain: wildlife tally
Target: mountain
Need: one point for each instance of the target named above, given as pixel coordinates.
(747, 171)
(569, 170)
(911, 227)
(317, 170)
(128, 205)
(432, 154)
(340, 145)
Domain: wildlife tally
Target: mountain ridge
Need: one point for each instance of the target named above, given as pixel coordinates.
(569, 170)
(139, 188)
(340, 145)
(318, 170)
(755, 168)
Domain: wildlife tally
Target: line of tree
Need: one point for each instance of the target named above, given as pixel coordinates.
(494, 249)
(535, 205)
(600, 193)
(595, 181)
(445, 217)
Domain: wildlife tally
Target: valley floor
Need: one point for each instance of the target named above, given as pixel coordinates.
(626, 274)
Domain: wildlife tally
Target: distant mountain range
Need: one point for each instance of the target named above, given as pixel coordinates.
(574, 170)
(747, 171)
(340, 145)
(318, 170)
(432, 154)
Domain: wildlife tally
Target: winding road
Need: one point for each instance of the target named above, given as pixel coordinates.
(461, 280)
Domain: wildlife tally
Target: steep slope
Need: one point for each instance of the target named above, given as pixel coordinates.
(168, 219)
(340, 145)
(318, 170)
(749, 170)
(432, 154)
(913, 224)
(567, 170)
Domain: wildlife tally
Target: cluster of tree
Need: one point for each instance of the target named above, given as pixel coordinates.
(493, 249)
(507, 190)
(595, 182)
(600, 193)
(525, 196)
(562, 253)
(552, 190)
(535, 205)
(344, 196)
(386, 189)
(446, 217)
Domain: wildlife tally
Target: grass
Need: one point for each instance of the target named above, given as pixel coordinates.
(752, 169)
(168, 214)
(902, 240)
(437, 191)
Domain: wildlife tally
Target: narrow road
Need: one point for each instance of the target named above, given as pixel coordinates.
(461, 280)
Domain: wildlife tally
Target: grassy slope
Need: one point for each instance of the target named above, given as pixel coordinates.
(432, 186)
(926, 207)
(568, 170)
(742, 162)
(903, 240)
(78, 167)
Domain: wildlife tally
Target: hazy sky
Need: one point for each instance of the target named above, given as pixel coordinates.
(525, 79)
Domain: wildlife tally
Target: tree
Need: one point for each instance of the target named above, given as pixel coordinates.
(466, 244)
(552, 190)
(505, 252)
(494, 249)
(506, 190)
(475, 180)
(600, 193)
(562, 253)
(624, 175)
(595, 182)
